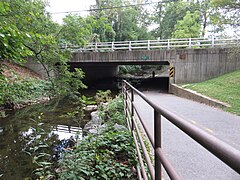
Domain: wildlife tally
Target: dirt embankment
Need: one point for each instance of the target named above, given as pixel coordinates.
(10, 70)
(17, 72)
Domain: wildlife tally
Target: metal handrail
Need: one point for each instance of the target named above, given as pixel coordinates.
(154, 44)
(226, 153)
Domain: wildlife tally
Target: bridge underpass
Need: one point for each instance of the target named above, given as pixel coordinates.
(105, 74)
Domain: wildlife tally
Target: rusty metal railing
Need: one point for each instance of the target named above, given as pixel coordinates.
(229, 155)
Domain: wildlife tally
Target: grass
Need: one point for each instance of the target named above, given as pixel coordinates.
(225, 88)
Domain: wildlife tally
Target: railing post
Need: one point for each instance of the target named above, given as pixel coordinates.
(96, 46)
(148, 45)
(130, 46)
(112, 46)
(132, 109)
(157, 144)
(190, 43)
(213, 41)
(168, 43)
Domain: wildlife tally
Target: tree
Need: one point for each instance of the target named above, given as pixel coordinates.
(228, 12)
(78, 30)
(158, 19)
(75, 30)
(28, 31)
(101, 29)
(128, 22)
(205, 13)
(189, 27)
(11, 38)
(167, 15)
(211, 15)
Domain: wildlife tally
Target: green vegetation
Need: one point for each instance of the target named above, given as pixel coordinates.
(18, 92)
(224, 88)
(114, 112)
(39, 149)
(27, 30)
(110, 155)
(129, 23)
(139, 70)
(189, 27)
(174, 19)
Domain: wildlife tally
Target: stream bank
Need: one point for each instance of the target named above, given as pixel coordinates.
(45, 130)
(17, 134)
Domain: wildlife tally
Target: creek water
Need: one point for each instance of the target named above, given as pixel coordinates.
(16, 130)
(16, 134)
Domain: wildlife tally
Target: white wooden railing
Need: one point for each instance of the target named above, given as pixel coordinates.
(155, 44)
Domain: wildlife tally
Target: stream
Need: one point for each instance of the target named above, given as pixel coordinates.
(17, 130)
(16, 134)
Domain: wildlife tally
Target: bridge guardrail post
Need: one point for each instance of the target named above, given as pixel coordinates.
(157, 144)
(213, 41)
(130, 46)
(112, 46)
(168, 43)
(190, 43)
(148, 45)
(96, 46)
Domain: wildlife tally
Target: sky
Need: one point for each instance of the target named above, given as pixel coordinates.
(80, 5)
(71, 5)
(68, 5)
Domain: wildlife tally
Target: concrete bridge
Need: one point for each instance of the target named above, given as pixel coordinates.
(194, 60)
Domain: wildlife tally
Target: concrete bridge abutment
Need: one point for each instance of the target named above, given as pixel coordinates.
(196, 65)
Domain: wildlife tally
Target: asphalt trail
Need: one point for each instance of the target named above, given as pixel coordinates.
(192, 161)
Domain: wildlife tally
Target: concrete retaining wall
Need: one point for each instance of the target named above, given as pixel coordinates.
(192, 95)
(37, 68)
(196, 65)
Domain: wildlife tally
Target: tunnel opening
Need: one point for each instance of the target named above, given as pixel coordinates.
(160, 84)
(146, 76)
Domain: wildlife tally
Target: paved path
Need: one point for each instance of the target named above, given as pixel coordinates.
(190, 159)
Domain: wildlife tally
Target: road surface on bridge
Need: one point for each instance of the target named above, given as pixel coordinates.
(192, 161)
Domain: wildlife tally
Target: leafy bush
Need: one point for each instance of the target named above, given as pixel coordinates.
(138, 69)
(14, 92)
(38, 146)
(114, 111)
(110, 155)
(130, 69)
